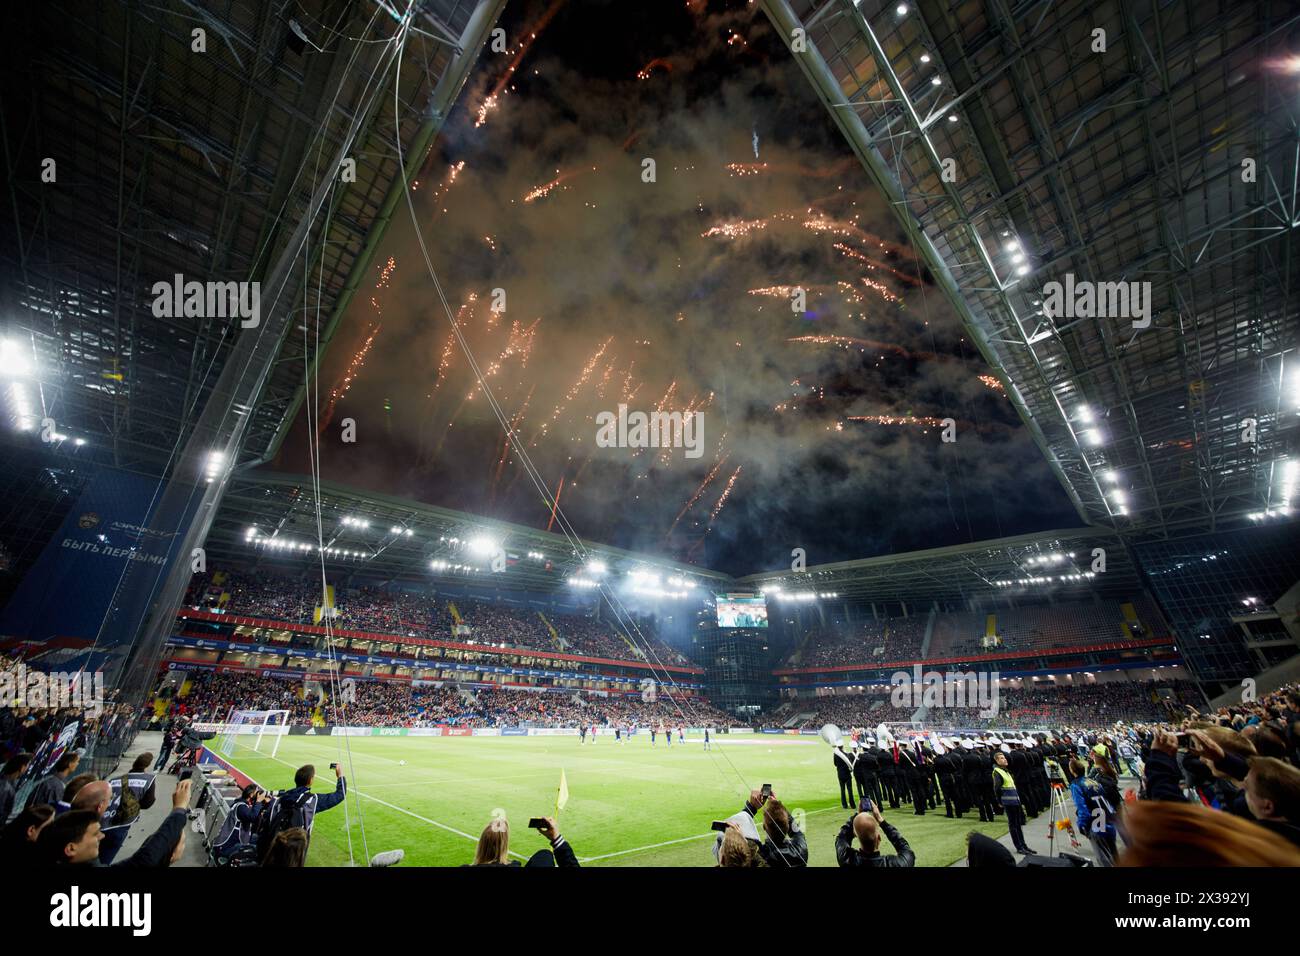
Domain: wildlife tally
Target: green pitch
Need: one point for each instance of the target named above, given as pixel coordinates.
(629, 804)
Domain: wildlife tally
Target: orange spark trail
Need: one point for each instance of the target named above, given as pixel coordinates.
(699, 492)
(349, 376)
(736, 229)
(525, 45)
(545, 189)
(726, 493)
(657, 63)
(926, 420)
(875, 264)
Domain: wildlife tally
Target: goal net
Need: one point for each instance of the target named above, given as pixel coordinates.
(248, 728)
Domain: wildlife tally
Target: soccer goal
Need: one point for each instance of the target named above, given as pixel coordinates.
(254, 723)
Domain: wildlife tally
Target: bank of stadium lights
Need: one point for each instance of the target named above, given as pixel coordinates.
(16, 366)
(802, 595)
(1012, 247)
(1046, 579)
(439, 564)
(1119, 500)
(1288, 482)
(395, 529)
(351, 522)
(1051, 558)
(580, 582)
(288, 546)
(481, 546)
(596, 567)
(216, 460)
(536, 556)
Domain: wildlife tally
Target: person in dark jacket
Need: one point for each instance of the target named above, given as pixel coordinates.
(866, 771)
(1162, 777)
(1017, 762)
(889, 782)
(13, 770)
(50, 789)
(239, 829)
(945, 768)
(73, 838)
(973, 773)
(983, 850)
(305, 801)
(844, 771)
(786, 845)
(170, 736)
(18, 838)
(867, 827)
(913, 763)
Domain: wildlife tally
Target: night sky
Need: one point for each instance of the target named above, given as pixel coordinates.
(819, 428)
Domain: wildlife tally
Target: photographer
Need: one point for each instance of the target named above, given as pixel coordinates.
(867, 825)
(494, 846)
(1096, 813)
(298, 807)
(239, 829)
(786, 844)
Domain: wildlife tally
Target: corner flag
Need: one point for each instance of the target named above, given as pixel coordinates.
(563, 797)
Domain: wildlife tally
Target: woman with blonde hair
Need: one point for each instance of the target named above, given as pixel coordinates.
(1161, 833)
(738, 851)
(494, 846)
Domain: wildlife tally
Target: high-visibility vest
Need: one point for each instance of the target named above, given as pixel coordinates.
(1009, 795)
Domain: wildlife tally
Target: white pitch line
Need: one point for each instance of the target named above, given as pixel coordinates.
(410, 813)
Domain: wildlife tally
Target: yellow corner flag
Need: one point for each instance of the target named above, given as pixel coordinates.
(563, 797)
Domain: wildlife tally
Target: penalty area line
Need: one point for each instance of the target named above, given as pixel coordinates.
(411, 813)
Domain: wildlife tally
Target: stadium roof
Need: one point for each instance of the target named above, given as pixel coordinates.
(1055, 564)
(367, 534)
(169, 160)
(1129, 165)
(382, 536)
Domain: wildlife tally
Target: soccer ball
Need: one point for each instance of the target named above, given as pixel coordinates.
(401, 763)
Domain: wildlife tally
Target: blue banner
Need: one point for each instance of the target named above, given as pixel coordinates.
(71, 586)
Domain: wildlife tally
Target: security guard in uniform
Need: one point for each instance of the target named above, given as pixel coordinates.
(1004, 786)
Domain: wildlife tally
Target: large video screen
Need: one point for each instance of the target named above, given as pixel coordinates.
(742, 610)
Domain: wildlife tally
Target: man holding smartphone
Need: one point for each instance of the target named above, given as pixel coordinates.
(867, 825)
